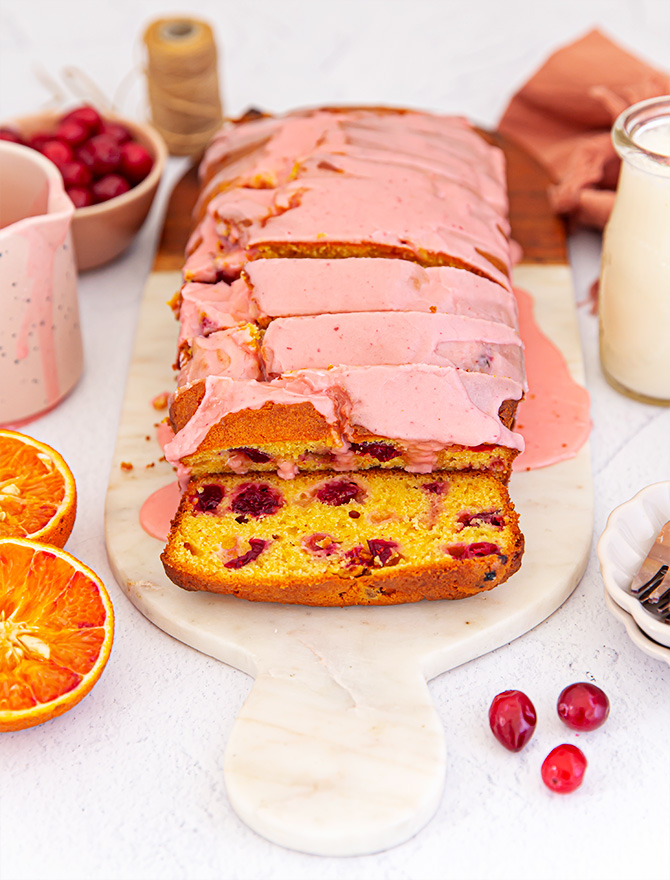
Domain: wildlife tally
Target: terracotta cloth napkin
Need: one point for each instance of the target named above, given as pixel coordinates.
(564, 114)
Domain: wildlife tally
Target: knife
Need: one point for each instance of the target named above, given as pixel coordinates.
(655, 567)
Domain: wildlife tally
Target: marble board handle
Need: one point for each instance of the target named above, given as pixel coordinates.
(337, 761)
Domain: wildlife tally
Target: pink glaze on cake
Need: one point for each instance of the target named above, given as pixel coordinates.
(206, 308)
(215, 249)
(391, 206)
(444, 143)
(377, 338)
(413, 403)
(266, 148)
(202, 251)
(427, 185)
(288, 287)
(233, 353)
(224, 395)
(262, 152)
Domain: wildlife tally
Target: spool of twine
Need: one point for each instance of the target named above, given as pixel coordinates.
(183, 83)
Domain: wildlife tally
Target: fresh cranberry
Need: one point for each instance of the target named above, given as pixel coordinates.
(208, 497)
(337, 492)
(472, 551)
(75, 173)
(381, 549)
(252, 454)
(136, 161)
(563, 768)
(58, 152)
(109, 187)
(490, 517)
(380, 451)
(85, 115)
(102, 154)
(9, 134)
(116, 131)
(39, 139)
(72, 132)
(583, 706)
(80, 196)
(512, 718)
(257, 547)
(256, 499)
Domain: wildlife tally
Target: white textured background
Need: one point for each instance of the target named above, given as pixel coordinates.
(129, 784)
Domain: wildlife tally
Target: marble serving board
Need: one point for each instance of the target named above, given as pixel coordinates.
(338, 749)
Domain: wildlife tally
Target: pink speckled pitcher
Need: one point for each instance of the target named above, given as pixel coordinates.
(41, 356)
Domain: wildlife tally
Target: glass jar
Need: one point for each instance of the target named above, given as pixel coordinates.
(634, 298)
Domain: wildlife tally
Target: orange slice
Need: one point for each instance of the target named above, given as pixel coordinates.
(38, 496)
(56, 632)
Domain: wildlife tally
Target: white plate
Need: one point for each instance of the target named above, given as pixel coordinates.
(628, 537)
(643, 642)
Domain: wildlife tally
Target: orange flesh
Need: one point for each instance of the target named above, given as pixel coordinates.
(52, 627)
(32, 489)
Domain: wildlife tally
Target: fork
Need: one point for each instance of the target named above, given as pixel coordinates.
(653, 597)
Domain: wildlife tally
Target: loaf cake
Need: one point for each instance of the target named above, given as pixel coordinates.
(347, 318)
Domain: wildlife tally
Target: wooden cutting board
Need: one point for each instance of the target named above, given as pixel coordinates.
(338, 749)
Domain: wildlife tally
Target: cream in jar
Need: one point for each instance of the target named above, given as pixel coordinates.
(635, 277)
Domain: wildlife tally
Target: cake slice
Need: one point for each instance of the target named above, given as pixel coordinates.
(412, 416)
(373, 538)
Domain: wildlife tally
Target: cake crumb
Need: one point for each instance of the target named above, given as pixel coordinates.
(126, 466)
(160, 401)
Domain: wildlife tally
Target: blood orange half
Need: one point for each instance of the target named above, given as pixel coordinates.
(38, 496)
(56, 632)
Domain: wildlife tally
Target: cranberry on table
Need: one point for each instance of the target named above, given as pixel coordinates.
(109, 187)
(512, 718)
(136, 161)
(583, 706)
(563, 769)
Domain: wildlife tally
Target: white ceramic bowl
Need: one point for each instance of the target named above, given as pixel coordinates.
(630, 532)
(640, 640)
(102, 232)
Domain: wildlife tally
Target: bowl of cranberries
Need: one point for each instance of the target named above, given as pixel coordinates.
(110, 166)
